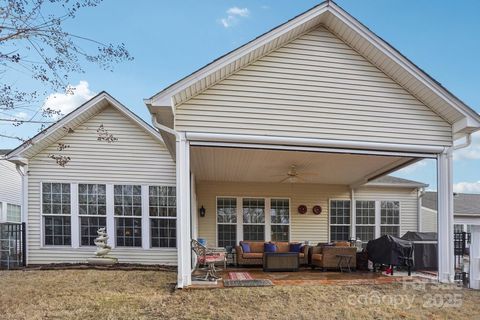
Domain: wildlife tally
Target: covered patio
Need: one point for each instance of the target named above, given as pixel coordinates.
(310, 111)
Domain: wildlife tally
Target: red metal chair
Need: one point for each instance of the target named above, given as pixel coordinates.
(207, 258)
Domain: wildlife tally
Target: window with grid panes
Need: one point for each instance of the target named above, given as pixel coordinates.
(390, 218)
(339, 220)
(280, 219)
(365, 220)
(254, 219)
(56, 212)
(163, 216)
(227, 222)
(92, 210)
(128, 215)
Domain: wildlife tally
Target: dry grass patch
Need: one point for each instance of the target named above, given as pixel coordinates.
(95, 294)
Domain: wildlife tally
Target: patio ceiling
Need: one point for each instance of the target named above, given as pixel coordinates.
(261, 165)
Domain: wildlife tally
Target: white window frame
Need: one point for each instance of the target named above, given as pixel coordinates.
(71, 215)
(236, 224)
(16, 206)
(264, 224)
(239, 223)
(80, 216)
(150, 218)
(375, 216)
(141, 217)
(330, 213)
(289, 216)
(380, 224)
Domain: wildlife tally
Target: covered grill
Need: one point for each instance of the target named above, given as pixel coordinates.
(389, 250)
(425, 249)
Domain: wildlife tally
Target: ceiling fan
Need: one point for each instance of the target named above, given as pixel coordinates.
(292, 175)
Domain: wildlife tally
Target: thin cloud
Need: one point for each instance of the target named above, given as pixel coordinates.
(470, 153)
(467, 187)
(66, 102)
(234, 14)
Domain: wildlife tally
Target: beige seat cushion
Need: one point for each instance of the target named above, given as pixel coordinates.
(342, 244)
(317, 256)
(253, 255)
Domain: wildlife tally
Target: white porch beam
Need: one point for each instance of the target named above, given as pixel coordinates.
(446, 267)
(184, 260)
(372, 146)
(475, 257)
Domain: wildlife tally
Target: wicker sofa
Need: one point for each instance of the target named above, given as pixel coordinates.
(255, 256)
(326, 256)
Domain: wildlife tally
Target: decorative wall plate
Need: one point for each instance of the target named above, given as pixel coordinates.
(302, 209)
(317, 210)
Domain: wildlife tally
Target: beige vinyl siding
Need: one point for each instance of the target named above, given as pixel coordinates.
(408, 203)
(136, 157)
(10, 183)
(429, 220)
(314, 87)
(302, 227)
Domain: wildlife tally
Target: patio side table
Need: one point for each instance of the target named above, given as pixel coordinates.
(281, 261)
(344, 262)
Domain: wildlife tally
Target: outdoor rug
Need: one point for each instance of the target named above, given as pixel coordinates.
(239, 276)
(247, 283)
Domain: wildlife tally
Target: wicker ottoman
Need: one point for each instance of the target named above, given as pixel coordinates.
(280, 261)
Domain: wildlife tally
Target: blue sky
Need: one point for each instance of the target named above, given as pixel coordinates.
(170, 39)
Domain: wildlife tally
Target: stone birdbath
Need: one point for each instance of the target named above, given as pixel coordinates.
(102, 250)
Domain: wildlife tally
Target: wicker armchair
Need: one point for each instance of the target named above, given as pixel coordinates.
(327, 257)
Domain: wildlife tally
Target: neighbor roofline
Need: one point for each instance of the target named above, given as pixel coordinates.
(103, 95)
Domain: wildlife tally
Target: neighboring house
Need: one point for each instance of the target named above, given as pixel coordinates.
(10, 191)
(466, 211)
(309, 114)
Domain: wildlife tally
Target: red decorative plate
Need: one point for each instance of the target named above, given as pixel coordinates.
(302, 209)
(317, 210)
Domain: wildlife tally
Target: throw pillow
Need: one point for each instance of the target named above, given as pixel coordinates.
(295, 247)
(245, 247)
(269, 247)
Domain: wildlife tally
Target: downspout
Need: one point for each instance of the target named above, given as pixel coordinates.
(467, 142)
(420, 194)
(24, 174)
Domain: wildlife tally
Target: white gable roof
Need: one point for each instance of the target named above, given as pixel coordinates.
(335, 19)
(72, 120)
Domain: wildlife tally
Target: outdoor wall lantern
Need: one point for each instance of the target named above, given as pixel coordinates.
(202, 212)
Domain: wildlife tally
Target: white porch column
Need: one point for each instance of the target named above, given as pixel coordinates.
(184, 260)
(475, 257)
(446, 267)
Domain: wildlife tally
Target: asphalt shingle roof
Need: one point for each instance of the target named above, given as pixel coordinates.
(463, 203)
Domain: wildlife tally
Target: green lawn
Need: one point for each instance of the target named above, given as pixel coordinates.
(98, 294)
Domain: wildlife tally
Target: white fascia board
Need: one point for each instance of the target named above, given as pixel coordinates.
(289, 141)
(395, 185)
(162, 97)
(18, 153)
(403, 62)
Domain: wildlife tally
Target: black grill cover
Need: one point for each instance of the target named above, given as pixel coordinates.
(390, 250)
(425, 249)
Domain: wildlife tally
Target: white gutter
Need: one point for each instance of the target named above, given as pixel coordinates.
(164, 128)
(197, 136)
(467, 143)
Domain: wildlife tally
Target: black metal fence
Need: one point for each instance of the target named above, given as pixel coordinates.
(12, 245)
(462, 258)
